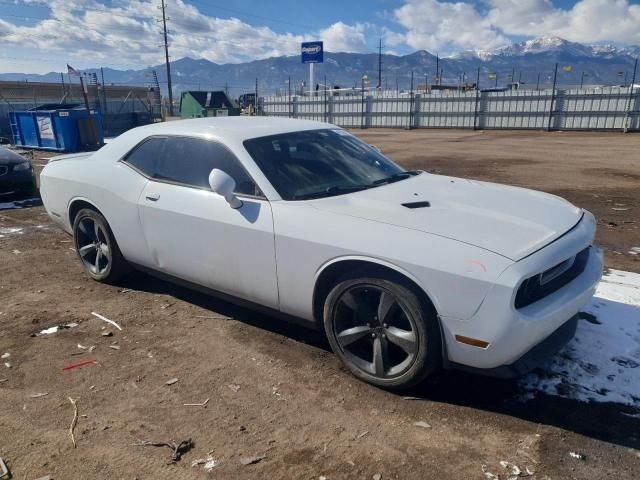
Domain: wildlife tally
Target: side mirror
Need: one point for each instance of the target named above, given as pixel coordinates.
(224, 185)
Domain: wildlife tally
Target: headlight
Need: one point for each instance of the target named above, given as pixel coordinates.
(22, 166)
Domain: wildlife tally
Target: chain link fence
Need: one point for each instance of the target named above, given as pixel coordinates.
(122, 107)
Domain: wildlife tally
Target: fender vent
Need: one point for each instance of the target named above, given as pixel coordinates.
(416, 204)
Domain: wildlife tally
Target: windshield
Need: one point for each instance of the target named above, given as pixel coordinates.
(321, 163)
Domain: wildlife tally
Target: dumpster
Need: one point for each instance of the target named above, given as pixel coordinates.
(59, 127)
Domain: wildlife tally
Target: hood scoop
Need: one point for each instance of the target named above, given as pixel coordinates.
(413, 205)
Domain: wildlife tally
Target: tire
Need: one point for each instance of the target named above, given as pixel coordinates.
(103, 263)
(374, 349)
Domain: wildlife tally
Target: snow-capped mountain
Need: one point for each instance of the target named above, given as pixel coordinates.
(550, 45)
(529, 62)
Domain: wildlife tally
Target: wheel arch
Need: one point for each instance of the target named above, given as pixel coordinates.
(330, 272)
(77, 204)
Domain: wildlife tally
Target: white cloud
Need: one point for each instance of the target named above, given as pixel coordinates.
(341, 37)
(127, 33)
(525, 17)
(392, 38)
(588, 21)
(439, 25)
(434, 25)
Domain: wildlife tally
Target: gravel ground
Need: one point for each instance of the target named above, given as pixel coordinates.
(280, 405)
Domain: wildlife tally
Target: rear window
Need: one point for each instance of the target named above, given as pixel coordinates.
(188, 161)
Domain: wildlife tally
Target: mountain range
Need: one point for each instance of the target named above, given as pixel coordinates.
(530, 62)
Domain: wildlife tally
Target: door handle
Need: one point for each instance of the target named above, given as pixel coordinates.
(154, 197)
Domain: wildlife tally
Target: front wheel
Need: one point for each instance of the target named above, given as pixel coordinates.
(382, 331)
(97, 247)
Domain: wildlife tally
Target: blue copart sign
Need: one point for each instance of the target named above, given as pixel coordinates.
(312, 52)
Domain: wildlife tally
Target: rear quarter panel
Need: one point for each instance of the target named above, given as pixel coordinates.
(111, 186)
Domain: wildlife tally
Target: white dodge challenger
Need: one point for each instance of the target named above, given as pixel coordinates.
(406, 271)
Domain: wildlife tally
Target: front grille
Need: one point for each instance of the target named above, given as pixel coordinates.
(3, 170)
(539, 286)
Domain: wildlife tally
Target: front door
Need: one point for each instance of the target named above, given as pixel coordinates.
(194, 234)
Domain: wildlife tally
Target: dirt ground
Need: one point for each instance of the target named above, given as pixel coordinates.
(274, 390)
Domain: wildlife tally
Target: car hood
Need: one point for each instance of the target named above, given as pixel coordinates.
(510, 221)
(9, 157)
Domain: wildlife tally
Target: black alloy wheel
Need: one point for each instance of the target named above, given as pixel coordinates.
(382, 331)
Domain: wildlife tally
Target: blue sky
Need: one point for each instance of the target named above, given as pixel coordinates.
(43, 35)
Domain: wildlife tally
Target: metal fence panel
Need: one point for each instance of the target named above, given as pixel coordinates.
(606, 108)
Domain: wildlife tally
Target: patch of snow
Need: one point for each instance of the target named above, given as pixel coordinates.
(484, 55)
(634, 251)
(602, 362)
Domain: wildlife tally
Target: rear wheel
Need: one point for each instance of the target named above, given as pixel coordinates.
(382, 331)
(97, 247)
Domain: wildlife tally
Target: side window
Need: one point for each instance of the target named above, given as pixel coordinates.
(145, 155)
(189, 161)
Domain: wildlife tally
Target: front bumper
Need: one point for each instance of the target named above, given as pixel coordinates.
(22, 181)
(533, 358)
(518, 339)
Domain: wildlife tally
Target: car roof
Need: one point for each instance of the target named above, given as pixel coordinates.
(240, 128)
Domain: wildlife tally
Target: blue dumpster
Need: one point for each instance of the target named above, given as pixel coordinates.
(63, 128)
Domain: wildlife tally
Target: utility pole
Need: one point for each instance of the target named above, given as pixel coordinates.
(362, 105)
(553, 97)
(166, 54)
(475, 108)
(538, 82)
(625, 128)
(83, 87)
(104, 91)
(438, 70)
(411, 103)
(64, 91)
(380, 64)
(325, 98)
(255, 102)
(289, 96)
(104, 99)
